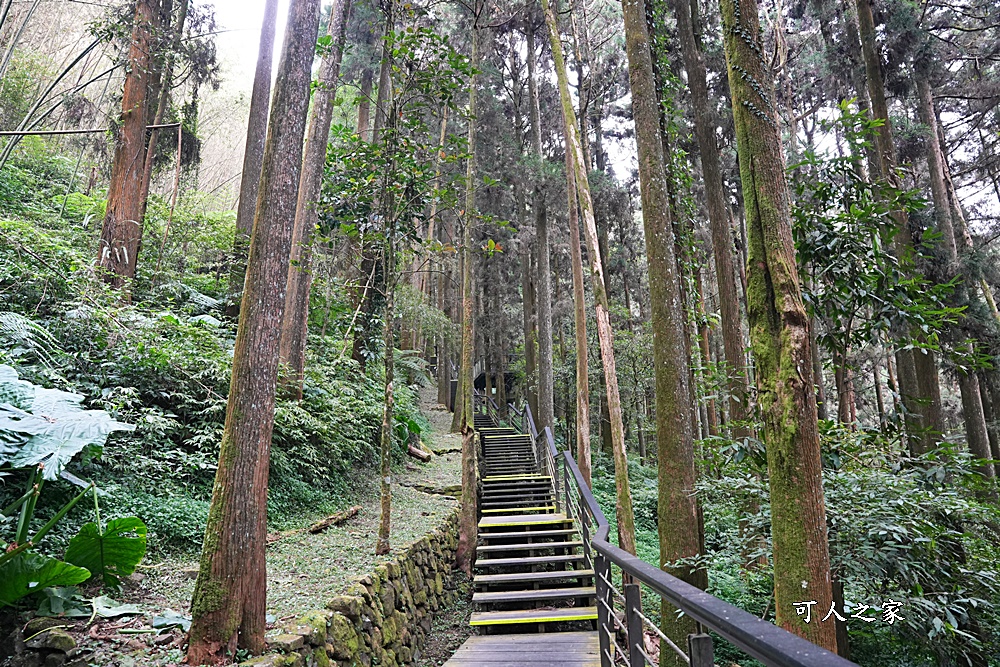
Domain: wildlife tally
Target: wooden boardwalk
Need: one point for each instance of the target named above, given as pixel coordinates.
(557, 649)
(532, 576)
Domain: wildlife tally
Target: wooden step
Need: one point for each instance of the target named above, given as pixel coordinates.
(532, 477)
(488, 597)
(528, 560)
(521, 534)
(501, 501)
(537, 546)
(508, 510)
(515, 504)
(534, 616)
(531, 577)
(511, 519)
(507, 494)
(532, 487)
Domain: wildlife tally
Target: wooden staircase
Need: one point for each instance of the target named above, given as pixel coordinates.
(529, 562)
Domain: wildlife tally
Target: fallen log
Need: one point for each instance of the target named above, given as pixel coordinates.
(418, 454)
(334, 519)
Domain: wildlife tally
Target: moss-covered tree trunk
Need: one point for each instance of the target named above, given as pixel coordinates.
(295, 326)
(253, 156)
(122, 230)
(583, 458)
(467, 527)
(677, 506)
(779, 337)
(228, 606)
(571, 131)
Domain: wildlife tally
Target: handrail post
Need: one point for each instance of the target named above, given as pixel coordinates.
(603, 616)
(565, 476)
(633, 623)
(700, 651)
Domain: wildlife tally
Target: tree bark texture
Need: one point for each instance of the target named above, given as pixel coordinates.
(229, 601)
(467, 528)
(968, 382)
(917, 372)
(623, 504)
(122, 230)
(382, 545)
(295, 326)
(583, 458)
(543, 280)
(677, 505)
(779, 336)
(253, 155)
(530, 332)
(166, 75)
(718, 217)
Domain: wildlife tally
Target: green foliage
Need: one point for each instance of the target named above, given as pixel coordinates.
(30, 574)
(47, 427)
(23, 338)
(110, 553)
(908, 531)
(853, 281)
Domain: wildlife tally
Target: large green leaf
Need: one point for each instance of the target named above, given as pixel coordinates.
(111, 554)
(46, 426)
(28, 574)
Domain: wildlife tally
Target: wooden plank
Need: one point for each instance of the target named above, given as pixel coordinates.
(536, 546)
(541, 508)
(533, 616)
(522, 520)
(560, 640)
(534, 595)
(531, 577)
(509, 477)
(514, 504)
(528, 560)
(521, 534)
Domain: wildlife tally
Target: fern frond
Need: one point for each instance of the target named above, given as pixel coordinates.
(18, 332)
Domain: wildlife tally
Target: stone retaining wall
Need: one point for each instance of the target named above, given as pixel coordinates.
(383, 619)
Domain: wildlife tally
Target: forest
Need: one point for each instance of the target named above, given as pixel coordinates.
(739, 257)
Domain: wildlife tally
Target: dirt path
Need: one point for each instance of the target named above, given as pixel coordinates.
(304, 570)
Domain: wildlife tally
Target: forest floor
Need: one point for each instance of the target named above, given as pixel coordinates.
(304, 570)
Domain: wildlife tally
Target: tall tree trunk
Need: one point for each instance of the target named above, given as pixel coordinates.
(546, 406)
(623, 504)
(370, 299)
(295, 326)
(467, 529)
(365, 105)
(968, 381)
(443, 353)
(580, 319)
(530, 333)
(779, 337)
(990, 396)
(122, 230)
(253, 157)
(228, 606)
(677, 506)
(718, 216)
(917, 372)
(166, 75)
